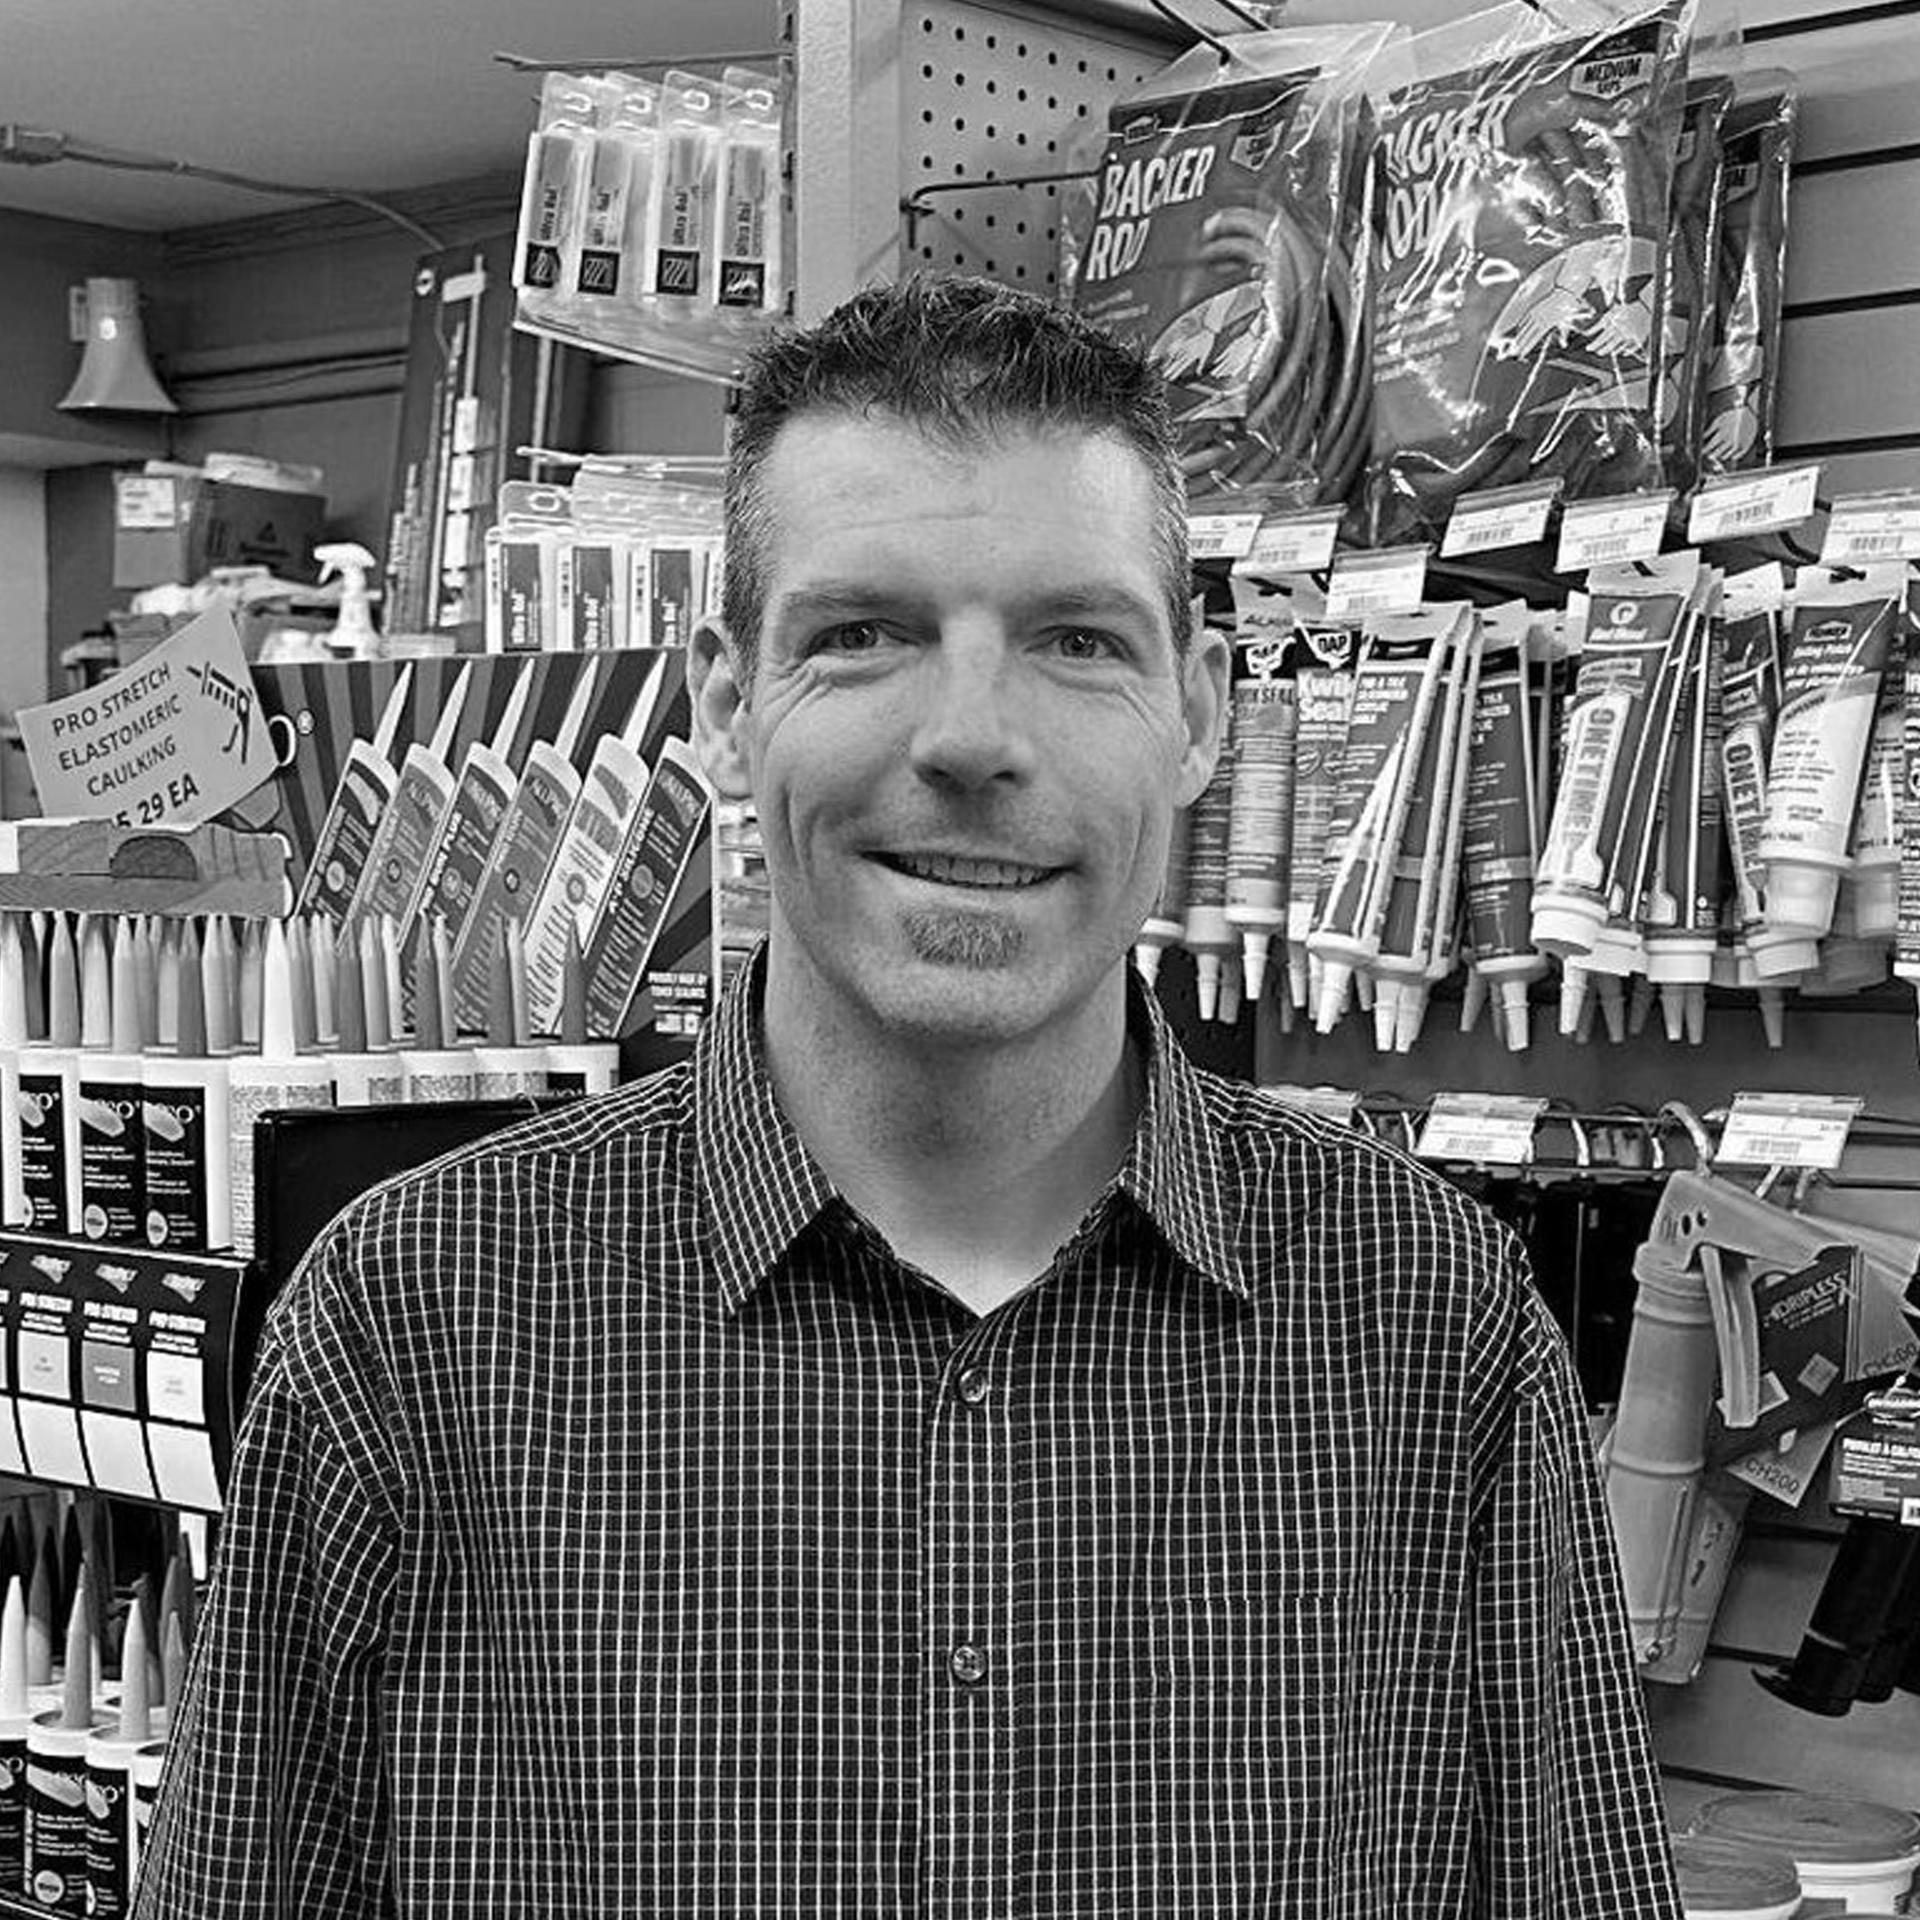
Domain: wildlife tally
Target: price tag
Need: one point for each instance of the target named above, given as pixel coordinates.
(1220, 536)
(1865, 527)
(1800, 1130)
(1393, 580)
(1324, 1103)
(1733, 505)
(1483, 1129)
(1604, 533)
(1499, 517)
(1293, 543)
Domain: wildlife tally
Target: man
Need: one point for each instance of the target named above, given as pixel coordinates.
(940, 1454)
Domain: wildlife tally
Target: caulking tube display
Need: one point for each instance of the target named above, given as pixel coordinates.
(1166, 922)
(397, 861)
(1415, 867)
(1842, 636)
(1325, 692)
(1906, 946)
(112, 1166)
(523, 847)
(574, 888)
(481, 796)
(1870, 883)
(1394, 690)
(659, 844)
(1265, 719)
(1681, 905)
(361, 797)
(1618, 739)
(1500, 838)
(1207, 934)
(1753, 608)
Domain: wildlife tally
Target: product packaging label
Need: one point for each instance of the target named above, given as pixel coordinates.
(176, 1166)
(1497, 835)
(57, 1833)
(112, 1165)
(43, 1149)
(1875, 1464)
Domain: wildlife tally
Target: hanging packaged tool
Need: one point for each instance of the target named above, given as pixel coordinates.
(1220, 242)
(1743, 373)
(1521, 211)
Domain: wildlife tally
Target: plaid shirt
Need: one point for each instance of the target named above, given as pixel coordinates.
(619, 1528)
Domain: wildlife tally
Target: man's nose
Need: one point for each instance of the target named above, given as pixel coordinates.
(973, 727)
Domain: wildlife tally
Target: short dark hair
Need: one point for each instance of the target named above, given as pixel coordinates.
(962, 360)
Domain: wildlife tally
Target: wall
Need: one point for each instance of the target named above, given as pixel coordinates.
(23, 587)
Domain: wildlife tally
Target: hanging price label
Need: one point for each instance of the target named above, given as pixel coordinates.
(1798, 1130)
(1482, 1129)
(1393, 580)
(1865, 527)
(1292, 543)
(1499, 517)
(1220, 536)
(1324, 1103)
(1732, 506)
(1603, 533)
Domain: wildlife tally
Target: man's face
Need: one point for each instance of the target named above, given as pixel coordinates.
(967, 728)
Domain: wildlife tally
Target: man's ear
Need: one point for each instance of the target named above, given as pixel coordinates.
(1204, 697)
(719, 697)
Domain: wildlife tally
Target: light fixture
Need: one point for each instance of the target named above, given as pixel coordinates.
(115, 375)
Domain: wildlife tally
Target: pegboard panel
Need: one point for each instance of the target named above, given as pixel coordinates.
(985, 94)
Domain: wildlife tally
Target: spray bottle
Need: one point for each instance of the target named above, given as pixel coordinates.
(354, 635)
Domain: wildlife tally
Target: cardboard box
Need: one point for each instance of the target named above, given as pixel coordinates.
(180, 526)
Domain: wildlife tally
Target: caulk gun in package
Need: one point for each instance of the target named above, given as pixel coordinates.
(1726, 1282)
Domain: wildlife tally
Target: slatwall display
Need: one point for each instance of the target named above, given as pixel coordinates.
(974, 91)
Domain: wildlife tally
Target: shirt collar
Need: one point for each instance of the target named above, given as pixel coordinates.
(762, 1189)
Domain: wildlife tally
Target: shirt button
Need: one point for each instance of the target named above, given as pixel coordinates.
(973, 1386)
(969, 1664)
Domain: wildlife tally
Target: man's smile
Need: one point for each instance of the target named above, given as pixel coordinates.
(964, 870)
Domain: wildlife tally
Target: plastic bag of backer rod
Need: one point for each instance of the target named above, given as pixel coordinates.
(1218, 244)
(1521, 218)
(1743, 373)
(652, 219)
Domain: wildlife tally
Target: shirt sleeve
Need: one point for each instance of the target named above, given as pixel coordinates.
(1569, 1819)
(272, 1803)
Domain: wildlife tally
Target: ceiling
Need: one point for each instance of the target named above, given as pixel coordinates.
(376, 96)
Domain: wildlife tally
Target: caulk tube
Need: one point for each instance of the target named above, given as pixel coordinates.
(109, 1779)
(361, 797)
(433, 1067)
(189, 1124)
(1394, 690)
(576, 1064)
(1870, 885)
(481, 797)
(50, 1094)
(680, 215)
(1265, 720)
(1167, 920)
(523, 849)
(1906, 945)
(366, 1069)
(1681, 907)
(16, 1714)
(1407, 926)
(574, 888)
(1325, 693)
(1842, 638)
(1207, 934)
(397, 861)
(14, 1210)
(112, 1161)
(505, 1066)
(659, 844)
(747, 281)
(1500, 839)
(1753, 609)
(1614, 762)
(619, 169)
(277, 1076)
(57, 1740)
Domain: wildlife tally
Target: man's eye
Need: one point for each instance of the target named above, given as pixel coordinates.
(851, 636)
(1085, 643)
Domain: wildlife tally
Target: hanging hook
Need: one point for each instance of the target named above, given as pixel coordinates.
(1684, 1116)
(1213, 40)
